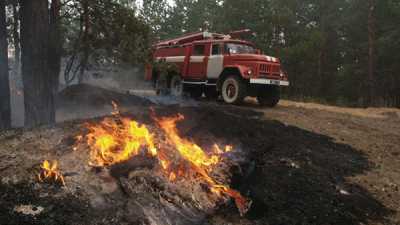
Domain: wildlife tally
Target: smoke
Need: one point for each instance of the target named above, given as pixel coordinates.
(87, 101)
(123, 77)
(84, 101)
(119, 79)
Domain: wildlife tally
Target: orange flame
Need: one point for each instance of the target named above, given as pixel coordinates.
(118, 139)
(49, 172)
(201, 162)
(172, 176)
(188, 150)
(219, 151)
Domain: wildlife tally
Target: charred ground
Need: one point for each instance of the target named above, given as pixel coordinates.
(304, 166)
(294, 176)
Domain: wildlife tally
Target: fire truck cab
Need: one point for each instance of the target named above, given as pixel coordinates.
(217, 65)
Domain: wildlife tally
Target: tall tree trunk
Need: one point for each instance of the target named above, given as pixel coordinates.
(55, 44)
(371, 52)
(323, 80)
(38, 85)
(85, 41)
(5, 108)
(15, 34)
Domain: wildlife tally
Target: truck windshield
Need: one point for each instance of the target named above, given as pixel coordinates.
(234, 48)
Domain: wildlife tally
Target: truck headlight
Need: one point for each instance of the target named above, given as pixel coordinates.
(250, 72)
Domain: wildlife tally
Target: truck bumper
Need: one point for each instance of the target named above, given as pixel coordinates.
(269, 82)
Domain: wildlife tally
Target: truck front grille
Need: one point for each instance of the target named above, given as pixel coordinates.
(270, 69)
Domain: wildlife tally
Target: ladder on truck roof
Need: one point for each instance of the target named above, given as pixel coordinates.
(188, 38)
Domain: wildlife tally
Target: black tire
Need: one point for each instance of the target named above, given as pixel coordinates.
(233, 90)
(269, 96)
(176, 86)
(211, 92)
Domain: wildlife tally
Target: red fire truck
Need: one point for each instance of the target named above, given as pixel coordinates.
(217, 65)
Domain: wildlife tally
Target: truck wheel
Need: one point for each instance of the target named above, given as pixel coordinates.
(176, 86)
(270, 96)
(234, 90)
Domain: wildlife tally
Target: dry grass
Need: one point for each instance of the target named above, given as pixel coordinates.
(380, 113)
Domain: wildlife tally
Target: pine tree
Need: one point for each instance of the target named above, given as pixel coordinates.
(55, 43)
(371, 52)
(37, 79)
(5, 109)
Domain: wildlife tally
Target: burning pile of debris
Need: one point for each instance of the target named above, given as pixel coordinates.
(146, 173)
(118, 139)
(49, 172)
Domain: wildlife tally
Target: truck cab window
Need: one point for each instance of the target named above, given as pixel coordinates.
(198, 50)
(233, 48)
(216, 49)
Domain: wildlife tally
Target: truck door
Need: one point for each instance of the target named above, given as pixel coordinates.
(215, 62)
(197, 63)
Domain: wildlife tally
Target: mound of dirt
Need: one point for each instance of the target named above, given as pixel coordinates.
(84, 94)
(300, 166)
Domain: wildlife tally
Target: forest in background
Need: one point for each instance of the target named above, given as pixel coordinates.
(342, 52)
